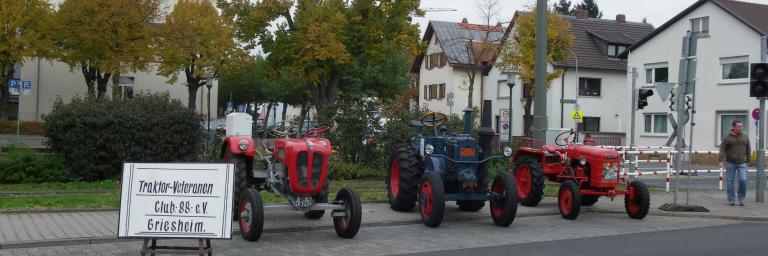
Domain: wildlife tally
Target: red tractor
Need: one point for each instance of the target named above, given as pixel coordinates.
(295, 168)
(585, 173)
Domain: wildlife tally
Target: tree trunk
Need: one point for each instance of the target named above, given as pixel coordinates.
(89, 75)
(101, 81)
(285, 110)
(192, 98)
(527, 118)
(302, 116)
(117, 92)
(266, 119)
(4, 94)
(471, 89)
(324, 94)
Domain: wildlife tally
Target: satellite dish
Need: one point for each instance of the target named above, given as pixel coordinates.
(464, 85)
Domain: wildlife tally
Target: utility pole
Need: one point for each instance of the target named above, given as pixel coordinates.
(760, 183)
(633, 109)
(540, 82)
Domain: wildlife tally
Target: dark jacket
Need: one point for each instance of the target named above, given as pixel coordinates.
(735, 150)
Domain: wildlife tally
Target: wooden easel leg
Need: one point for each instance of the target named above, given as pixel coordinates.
(144, 247)
(208, 244)
(154, 247)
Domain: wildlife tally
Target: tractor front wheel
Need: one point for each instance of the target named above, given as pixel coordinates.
(569, 200)
(251, 213)
(504, 207)
(638, 202)
(347, 226)
(530, 180)
(403, 178)
(243, 177)
(432, 199)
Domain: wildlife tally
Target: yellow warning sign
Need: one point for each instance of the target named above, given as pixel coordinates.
(576, 115)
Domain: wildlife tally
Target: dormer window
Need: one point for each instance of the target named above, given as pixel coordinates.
(700, 26)
(615, 49)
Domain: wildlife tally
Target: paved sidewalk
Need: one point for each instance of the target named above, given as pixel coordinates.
(20, 230)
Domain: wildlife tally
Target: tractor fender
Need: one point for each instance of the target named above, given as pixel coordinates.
(233, 144)
(537, 153)
(436, 164)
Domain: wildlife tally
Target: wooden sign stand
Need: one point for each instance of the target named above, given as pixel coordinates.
(199, 250)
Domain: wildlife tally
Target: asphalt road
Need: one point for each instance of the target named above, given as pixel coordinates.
(742, 239)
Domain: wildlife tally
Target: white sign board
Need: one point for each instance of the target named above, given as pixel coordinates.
(26, 87)
(504, 117)
(176, 200)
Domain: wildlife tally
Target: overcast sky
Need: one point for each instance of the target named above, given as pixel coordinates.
(656, 11)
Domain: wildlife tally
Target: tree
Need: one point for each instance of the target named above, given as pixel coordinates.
(323, 42)
(105, 38)
(23, 30)
(519, 52)
(563, 7)
(196, 40)
(591, 7)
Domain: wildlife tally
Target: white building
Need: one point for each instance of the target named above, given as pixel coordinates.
(729, 39)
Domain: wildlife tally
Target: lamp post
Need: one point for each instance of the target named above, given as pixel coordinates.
(511, 77)
(208, 84)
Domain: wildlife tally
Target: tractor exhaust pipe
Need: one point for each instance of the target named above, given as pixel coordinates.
(468, 120)
(485, 133)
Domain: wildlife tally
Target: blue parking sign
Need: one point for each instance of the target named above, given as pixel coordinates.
(13, 87)
(241, 108)
(26, 87)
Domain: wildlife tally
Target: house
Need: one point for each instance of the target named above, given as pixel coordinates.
(53, 79)
(730, 35)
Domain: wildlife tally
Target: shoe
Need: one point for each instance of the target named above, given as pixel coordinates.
(741, 203)
(732, 203)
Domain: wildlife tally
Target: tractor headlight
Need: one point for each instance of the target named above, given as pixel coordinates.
(322, 143)
(606, 166)
(429, 149)
(507, 151)
(243, 144)
(582, 161)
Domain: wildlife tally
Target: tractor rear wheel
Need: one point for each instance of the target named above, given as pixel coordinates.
(347, 226)
(431, 199)
(589, 200)
(569, 200)
(530, 180)
(639, 202)
(243, 177)
(403, 178)
(251, 213)
(470, 205)
(504, 208)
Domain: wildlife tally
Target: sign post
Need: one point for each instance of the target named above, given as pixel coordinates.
(169, 200)
(504, 133)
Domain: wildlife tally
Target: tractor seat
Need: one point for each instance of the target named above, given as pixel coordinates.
(552, 149)
(416, 123)
(268, 144)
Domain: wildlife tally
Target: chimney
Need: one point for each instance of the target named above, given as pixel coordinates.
(464, 21)
(580, 14)
(621, 18)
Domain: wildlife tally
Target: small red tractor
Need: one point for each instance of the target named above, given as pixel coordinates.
(585, 173)
(295, 168)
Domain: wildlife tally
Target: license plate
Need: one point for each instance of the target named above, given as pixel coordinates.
(302, 202)
(609, 175)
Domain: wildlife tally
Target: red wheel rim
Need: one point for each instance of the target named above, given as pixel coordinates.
(497, 206)
(426, 199)
(523, 177)
(245, 221)
(343, 222)
(394, 178)
(632, 203)
(566, 199)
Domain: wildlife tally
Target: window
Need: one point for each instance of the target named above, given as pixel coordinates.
(443, 60)
(503, 89)
(735, 68)
(441, 91)
(655, 123)
(726, 119)
(589, 124)
(615, 49)
(700, 26)
(433, 91)
(656, 74)
(589, 86)
(426, 91)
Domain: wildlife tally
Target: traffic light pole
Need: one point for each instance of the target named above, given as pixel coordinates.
(760, 183)
(633, 109)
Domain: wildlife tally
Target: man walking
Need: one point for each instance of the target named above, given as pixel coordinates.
(735, 153)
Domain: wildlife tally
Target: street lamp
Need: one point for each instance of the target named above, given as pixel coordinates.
(511, 77)
(208, 84)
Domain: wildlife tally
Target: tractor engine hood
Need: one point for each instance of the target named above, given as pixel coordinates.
(306, 161)
(592, 152)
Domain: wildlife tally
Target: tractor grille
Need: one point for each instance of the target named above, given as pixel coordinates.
(304, 171)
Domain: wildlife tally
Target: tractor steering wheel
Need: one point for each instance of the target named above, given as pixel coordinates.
(317, 131)
(560, 141)
(433, 119)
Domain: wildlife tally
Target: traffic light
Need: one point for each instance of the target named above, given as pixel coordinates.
(642, 97)
(672, 101)
(688, 102)
(758, 80)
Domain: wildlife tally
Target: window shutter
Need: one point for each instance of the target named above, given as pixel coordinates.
(442, 91)
(443, 59)
(426, 91)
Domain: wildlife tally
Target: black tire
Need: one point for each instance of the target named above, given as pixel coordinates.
(250, 205)
(470, 205)
(569, 200)
(589, 200)
(405, 169)
(243, 177)
(347, 226)
(431, 199)
(637, 206)
(529, 176)
(504, 210)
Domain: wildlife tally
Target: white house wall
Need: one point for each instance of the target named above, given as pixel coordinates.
(728, 38)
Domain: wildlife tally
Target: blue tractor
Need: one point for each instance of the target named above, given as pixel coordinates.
(438, 166)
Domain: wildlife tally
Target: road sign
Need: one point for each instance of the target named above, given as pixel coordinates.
(241, 108)
(13, 87)
(173, 200)
(568, 101)
(26, 87)
(673, 136)
(230, 106)
(576, 115)
(756, 114)
(504, 114)
(504, 133)
(664, 89)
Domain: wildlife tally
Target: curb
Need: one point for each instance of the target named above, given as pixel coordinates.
(688, 215)
(110, 239)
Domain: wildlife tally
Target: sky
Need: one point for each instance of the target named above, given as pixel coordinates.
(656, 11)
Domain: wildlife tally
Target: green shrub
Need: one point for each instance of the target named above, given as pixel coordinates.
(95, 137)
(356, 129)
(21, 165)
(341, 170)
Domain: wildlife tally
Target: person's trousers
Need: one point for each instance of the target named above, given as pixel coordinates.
(733, 171)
